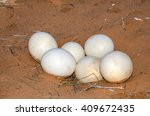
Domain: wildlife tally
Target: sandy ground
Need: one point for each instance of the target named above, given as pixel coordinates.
(127, 22)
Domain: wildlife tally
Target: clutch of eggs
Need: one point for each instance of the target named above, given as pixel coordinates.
(101, 61)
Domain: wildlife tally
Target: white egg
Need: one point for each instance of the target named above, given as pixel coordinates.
(98, 45)
(116, 67)
(75, 49)
(39, 43)
(87, 69)
(58, 62)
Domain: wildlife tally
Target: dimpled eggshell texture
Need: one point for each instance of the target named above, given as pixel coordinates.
(58, 62)
(87, 70)
(75, 49)
(98, 45)
(39, 43)
(116, 67)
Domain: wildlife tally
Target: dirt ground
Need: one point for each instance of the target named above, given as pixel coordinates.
(127, 22)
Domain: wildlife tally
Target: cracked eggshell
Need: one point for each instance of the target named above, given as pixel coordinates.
(98, 45)
(39, 43)
(75, 49)
(116, 67)
(87, 70)
(58, 62)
